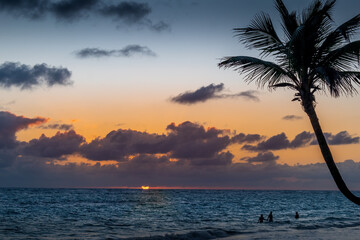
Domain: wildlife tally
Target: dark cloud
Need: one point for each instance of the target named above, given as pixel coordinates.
(187, 141)
(292, 117)
(281, 141)
(246, 138)
(54, 147)
(32, 9)
(10, 124)
(200, 95)
(58, 126)
(159, 171)
(26, 77)
(340, 138)
(276, 142)
(217, 159)
(301, 140)
(266, 157)
(210, 92)
(128, 12)
(117, 145)
(72, 9)
(191, 140)
(127, 51)
(188, 155)
(146, 161)
(133, 13)
(7, 157)
(249, 95)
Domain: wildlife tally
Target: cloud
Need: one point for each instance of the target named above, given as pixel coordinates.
(301, 140)
(127, 51)
(119, 144)
(72, 9)
(211, 91)
(128, 12)
(156, 160)
(340, 138)
(65, 127)
(54, 147)
(246, 138)
(7, 157)
(34, 9)
(189, 142)
(249, 95)
(10, 124)
(159, 171)
(280, 142)
(266, 157)
(276, 142)
(292, 117)
(200, 95)
(217, 159)
(26, 77)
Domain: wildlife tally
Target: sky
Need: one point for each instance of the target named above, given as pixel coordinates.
(97, 93)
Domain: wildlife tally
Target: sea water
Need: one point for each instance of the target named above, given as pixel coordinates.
(174, 214)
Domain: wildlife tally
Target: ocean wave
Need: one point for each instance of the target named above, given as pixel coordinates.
(193, 235)
(337, 219)
(309, 227)
(346, 225)
(328, 225)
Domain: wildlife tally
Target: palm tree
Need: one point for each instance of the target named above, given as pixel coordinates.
(313, 56)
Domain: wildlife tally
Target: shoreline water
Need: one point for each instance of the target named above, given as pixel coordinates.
(174, 214)
(350, 233)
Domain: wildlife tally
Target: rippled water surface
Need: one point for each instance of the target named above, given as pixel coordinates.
(170, 214)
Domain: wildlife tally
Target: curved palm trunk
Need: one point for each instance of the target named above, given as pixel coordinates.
(325, 150)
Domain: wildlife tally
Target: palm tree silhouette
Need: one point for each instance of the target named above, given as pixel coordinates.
(313, 56)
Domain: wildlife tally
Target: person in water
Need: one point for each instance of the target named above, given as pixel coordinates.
(261, 218)
(297, 215)
(270, 217)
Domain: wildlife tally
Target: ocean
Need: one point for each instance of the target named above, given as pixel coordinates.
(175, 214)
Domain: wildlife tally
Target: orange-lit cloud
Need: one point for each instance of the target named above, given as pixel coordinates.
(188, 155)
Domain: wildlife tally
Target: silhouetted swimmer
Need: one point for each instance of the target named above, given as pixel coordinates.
(297, 215)
(270, 217)
(261, 218)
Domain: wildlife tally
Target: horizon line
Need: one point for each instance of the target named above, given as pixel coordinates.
(175, 188)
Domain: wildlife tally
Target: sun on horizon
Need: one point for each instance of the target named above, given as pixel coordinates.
(145, 187)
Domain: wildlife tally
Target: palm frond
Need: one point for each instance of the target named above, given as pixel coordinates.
(261, 34)
(260, 71)
(307, 37)
(289, 85)
(344, 58)
(289, 21)
(314, 55)
(310, 11)
(337, 82)
(349, 78)
(318, 10)
(339, 36)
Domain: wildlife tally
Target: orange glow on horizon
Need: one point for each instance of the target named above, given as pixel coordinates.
(145, 187)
